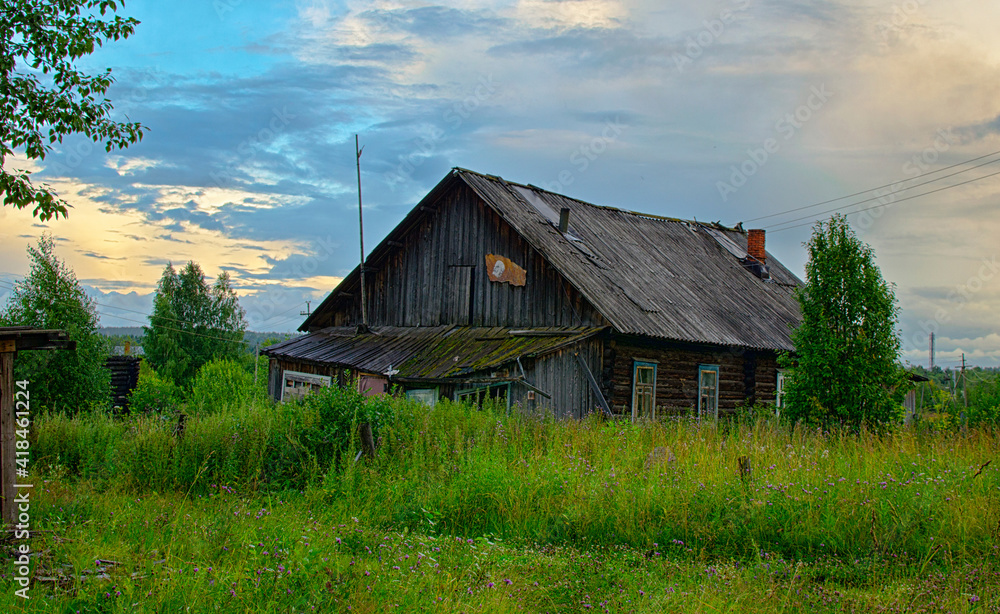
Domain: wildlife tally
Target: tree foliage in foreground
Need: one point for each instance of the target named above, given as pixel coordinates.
(50, 297)
(192, 323)
(846, 368)
(44, 96)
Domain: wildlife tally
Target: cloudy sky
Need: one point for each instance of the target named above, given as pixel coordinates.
(736, 110)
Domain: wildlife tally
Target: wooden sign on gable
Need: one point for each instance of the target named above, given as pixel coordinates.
(503, 270)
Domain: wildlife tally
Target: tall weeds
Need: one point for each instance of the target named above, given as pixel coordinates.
(669, 487)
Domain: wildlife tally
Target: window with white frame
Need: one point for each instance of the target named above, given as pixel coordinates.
(296, 385)
(708, 391)
(643, 389)
(427, 396)
(779, 393)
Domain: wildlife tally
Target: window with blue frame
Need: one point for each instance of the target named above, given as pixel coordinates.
(708, 391)
(779, 393)
(643, 389)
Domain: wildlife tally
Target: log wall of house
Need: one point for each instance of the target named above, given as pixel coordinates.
(767, 377)
(743, 375)
(436, 274)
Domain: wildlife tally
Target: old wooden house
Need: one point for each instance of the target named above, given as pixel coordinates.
(493, 288)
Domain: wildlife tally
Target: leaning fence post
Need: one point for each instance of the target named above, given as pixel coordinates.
(745, 468)
(179, 427)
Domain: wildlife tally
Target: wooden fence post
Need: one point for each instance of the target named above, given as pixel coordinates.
(14, 339)
(7, 431)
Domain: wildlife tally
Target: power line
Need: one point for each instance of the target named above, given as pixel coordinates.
(295, 306)
(186, 332)
(888, 185)
(178, 330)
(980, 377)
(273, 322)
(148, 316)
(899, 200)
(8, 284)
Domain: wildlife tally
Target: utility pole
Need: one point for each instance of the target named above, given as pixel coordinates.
(965, 388)
(361, 227)
(308, 310)
(932, 352)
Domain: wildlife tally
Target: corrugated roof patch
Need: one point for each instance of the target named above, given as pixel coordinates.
(535, 200)
(728, 244)
(749, 262)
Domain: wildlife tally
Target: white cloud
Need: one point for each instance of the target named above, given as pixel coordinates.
(571, 13)
(130, 165)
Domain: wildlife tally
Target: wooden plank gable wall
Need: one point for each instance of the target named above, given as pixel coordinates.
(437, 275)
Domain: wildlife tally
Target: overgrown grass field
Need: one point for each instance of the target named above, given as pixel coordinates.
(264, 509)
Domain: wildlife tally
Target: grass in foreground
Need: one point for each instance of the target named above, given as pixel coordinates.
(106, 552)
(467, 510)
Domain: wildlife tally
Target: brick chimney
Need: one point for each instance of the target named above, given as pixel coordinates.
(755, 245)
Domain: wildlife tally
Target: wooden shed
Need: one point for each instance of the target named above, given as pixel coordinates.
(490, 287)
(124, 371)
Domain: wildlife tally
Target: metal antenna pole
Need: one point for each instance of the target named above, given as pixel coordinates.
(361, 227)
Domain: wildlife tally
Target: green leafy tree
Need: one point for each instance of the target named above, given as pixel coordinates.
(983, 397)
(845, 369)
(50, 297)
(44, 96)
(192, 323)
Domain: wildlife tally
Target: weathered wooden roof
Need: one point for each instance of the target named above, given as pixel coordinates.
(651, 275)
(647, 275)
(426, 352)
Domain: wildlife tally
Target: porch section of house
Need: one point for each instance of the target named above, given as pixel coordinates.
(540, 368)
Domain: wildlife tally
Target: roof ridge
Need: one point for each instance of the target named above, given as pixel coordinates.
(649, 216)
